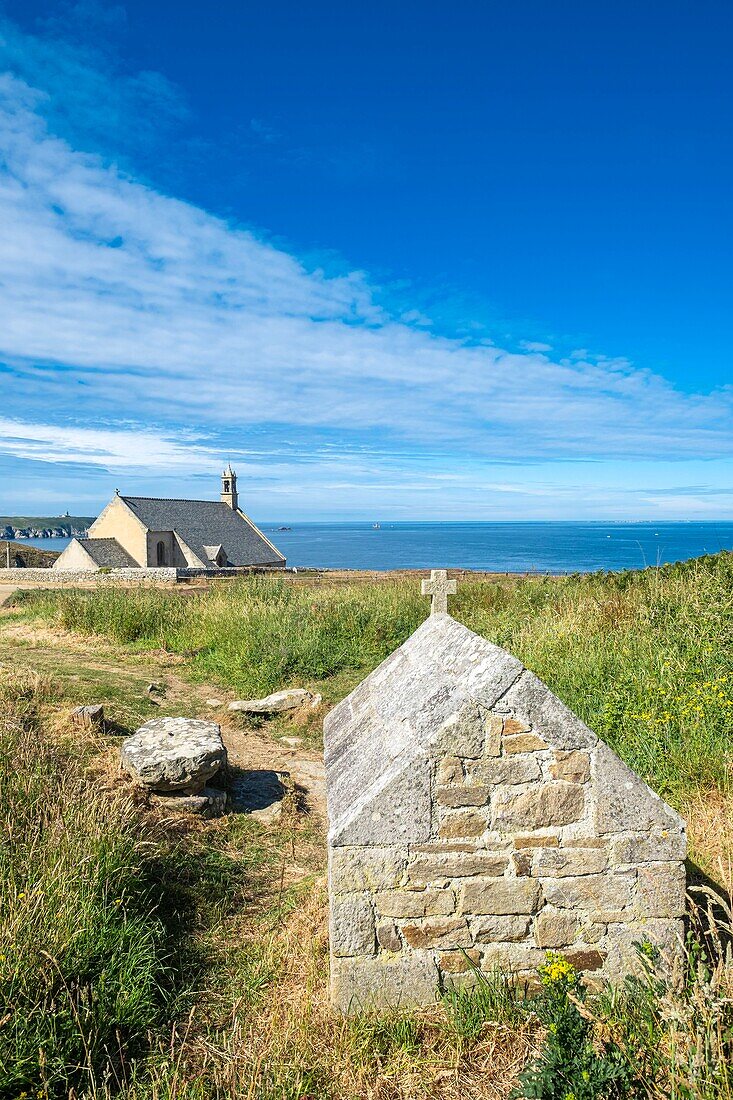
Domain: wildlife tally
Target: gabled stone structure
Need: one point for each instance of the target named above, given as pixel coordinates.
(475, 821)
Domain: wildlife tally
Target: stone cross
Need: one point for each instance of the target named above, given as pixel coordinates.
(440, 588)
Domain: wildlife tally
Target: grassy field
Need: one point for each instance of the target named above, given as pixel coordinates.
(139, 958)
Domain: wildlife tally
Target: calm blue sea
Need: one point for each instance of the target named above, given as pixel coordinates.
(504, 547)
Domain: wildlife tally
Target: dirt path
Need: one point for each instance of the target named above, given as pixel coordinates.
(120, 681)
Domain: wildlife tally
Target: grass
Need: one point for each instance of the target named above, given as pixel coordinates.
(111, 922)
(213, 969)
(646, 659)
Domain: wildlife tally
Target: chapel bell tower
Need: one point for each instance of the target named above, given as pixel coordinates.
(229, 487)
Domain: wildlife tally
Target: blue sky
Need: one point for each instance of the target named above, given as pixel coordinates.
(394, 260)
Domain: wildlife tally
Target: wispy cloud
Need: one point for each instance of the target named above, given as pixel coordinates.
(122, 303)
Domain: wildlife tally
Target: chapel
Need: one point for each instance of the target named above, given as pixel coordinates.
(159, 533)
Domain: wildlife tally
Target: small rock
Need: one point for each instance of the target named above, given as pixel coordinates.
(210, 802)
(291, 742)
(174, 754)
(156, 688)
(289, 699)
(316, 701)
(213, 702)
(91, 717)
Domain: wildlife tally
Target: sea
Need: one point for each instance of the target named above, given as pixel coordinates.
(541, 547)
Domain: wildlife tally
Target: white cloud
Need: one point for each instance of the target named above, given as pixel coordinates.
(158, 310)
(534, 345)
(125, 448)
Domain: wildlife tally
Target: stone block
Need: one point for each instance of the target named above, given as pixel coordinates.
(429, 867)
(555, 928)
(462, 796)
(393, 810)
(590, 892)
(555, 803)
(660, 890)
(523, 742)
(174, 754)
(505, 929)
(624, 803)
(449, 770)
(522, 862)
(511, 956)
(586, 842)
(514, 725)
(443, 932)
(493, 725)
(540, 840)
(459, 962)
(500, 896)
(560, 862)
(586, 958)
(354, 869)
(463, 732)
(362, 984)
(459, 823)
(591, 932)
(504, 769)
(88, 717)
(352, 925)
(573, 766)
(659, 846)
(388, 937)
(415, 903)
(667, 935)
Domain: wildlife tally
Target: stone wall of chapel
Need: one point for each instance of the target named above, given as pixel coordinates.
(117, 522)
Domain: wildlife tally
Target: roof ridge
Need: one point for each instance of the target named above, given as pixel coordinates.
(178, 500)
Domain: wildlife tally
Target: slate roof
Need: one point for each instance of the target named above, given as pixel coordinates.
(202, 523)
(108, 554)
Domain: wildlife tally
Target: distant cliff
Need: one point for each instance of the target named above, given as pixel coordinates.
(25, 557)
(44, 527)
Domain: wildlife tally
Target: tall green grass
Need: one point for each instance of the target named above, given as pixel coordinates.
(81, 948)
(644, 658)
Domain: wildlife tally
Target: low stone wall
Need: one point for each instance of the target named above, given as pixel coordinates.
(56, 578)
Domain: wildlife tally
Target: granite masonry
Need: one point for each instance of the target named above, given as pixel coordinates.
(476, 822)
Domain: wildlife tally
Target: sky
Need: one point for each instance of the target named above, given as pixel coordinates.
(394, 260)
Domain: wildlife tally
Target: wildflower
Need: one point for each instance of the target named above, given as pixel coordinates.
(557, 970)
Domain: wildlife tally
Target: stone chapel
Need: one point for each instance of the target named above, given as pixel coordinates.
(163, 533)
(476, 822)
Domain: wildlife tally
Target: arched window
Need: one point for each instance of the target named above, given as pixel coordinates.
(161, 553)
(226, 487)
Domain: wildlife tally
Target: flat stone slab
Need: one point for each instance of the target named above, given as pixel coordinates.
(174, 754)
(260, 794)
(210, 802)
(290, 699)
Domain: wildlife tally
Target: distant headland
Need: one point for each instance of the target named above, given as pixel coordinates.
(44, 527)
